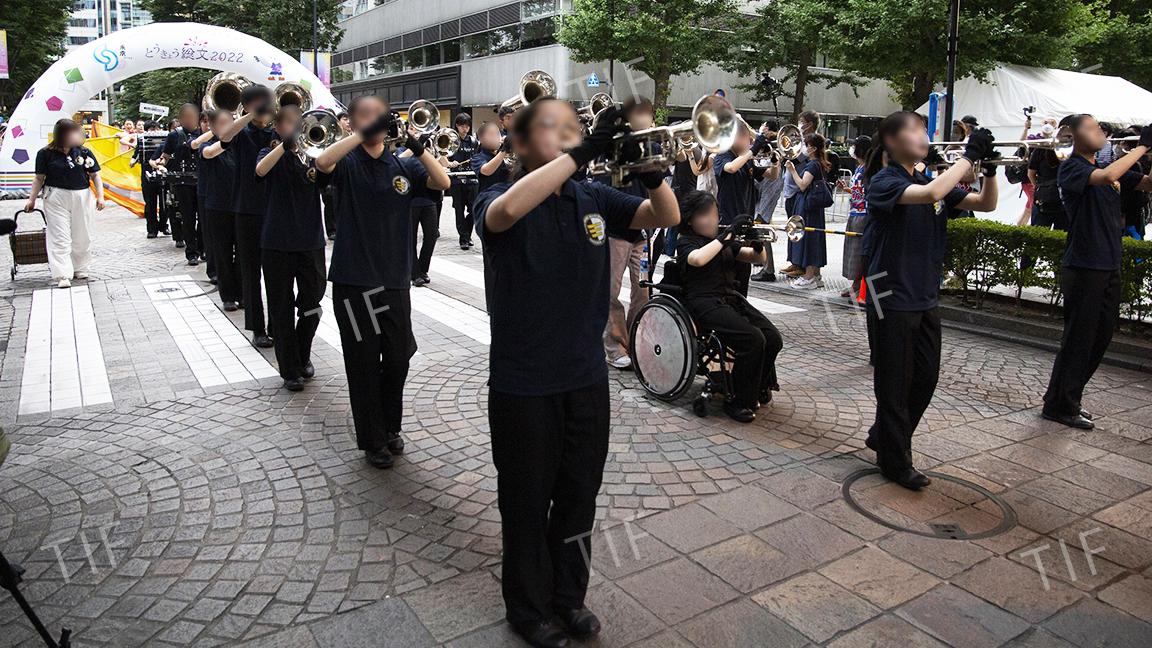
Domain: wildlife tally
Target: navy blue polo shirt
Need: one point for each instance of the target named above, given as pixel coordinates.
(481, 158)
(549, 278)
(248, 195)
(374, 249)
(292, 221)
(219, 177)
(1095, 222)
(66, 170)
(733, 190)
(178, 146)
(907, 242)
(468, 148)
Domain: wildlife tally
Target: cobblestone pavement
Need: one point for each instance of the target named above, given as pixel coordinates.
(241, 514)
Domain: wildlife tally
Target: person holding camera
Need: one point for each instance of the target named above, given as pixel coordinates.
(710, 258)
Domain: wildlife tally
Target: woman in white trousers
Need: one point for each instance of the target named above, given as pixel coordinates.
(63, 170)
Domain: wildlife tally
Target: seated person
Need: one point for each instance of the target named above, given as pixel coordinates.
(708, 259)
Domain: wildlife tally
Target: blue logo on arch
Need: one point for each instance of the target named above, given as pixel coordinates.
(107, 58)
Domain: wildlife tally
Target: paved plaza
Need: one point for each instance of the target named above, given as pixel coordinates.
(164, 490)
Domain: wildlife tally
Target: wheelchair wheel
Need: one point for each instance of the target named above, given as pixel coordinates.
(700, 406)
(664, 353)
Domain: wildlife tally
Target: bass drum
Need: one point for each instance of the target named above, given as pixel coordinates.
(664, 353)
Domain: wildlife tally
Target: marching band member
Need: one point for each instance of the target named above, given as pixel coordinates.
(218, 173)
(463, 187)
(246, 137)
(371, 268)
(292, 250)
(178, 156)
(809, 123)
(426, 207)
(548, 403)
(811, 252)
(709, 260)
(489, 161)
(736, 181)
(1090, 276)
(768, 189)
(201, 196)
(906, 255)
(64, 169)
(151, 187)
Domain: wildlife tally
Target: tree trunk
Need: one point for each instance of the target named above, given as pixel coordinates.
(803, 63)
(922, 85)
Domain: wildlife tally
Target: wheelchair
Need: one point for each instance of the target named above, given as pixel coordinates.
(669, 350)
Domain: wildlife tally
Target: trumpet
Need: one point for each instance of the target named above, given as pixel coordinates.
(223, 92)
(535, 84)
(1060, 142)
(793, 229)
(318, 130)
(293, 94)
(446, 142)
(713, 126)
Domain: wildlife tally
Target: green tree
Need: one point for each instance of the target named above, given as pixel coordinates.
(36, 32)
(905, 43)
(660, 39)
(169, 88)
(1119, 43)
(789, 36)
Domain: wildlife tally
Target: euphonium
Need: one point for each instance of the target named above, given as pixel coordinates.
(534, 85)
(223, 92)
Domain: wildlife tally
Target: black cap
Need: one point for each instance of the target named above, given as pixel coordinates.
(970, 120)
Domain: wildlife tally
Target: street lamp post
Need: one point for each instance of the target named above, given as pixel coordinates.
(953, 48)
(315, 42)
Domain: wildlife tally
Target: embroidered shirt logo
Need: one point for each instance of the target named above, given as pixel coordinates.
(594, 226)
(401, 185)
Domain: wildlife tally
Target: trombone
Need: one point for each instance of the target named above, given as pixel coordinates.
(535, 84)
(318, 130)
(714, 125)
(1060, 142)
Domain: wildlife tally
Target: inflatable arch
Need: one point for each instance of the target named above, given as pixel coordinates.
(85, 71)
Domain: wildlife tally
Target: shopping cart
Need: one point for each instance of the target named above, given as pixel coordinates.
(29, 246)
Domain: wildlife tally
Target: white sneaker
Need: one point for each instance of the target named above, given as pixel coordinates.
(623, 362)
(804, 283)
(64, 283)
(80, 275)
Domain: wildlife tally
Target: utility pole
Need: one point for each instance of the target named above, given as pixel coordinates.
(953, 49)
(106, 10)
(315, 42)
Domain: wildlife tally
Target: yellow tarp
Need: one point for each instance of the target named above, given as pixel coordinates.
(121, 180)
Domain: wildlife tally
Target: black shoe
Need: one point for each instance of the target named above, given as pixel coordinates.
(420, 282)
(581, 623)
(152, 235)
(231, 307)
(308, 371)
(909, 478)
(379, 459)
(166, 232)
(261, 341)
(738, 412)
(194, 262)
(1071, 420)
(1085, 414)
(544, 634)
(765, 397)
(179, 244)
(764, 275)
(395, 443)
(294, 384)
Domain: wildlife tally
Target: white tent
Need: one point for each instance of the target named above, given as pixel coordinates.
(998, 103)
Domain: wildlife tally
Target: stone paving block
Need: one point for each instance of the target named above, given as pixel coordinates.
(937, 556)
(664, 640)
(961, 619)
(677, 590)
(747, 563)
(801, 487)
(622, 618)
(497, 636)
(885, 632)
(879, 577)
(738, 625)
(689, 528)
(749, 507)
(808, 540)
(1132, 595)
(1120, 547)
(386, 624)
(458, 605)
(1128, 517)
(1092, 623)
(626, 548)
(1016, 589)
(299, 637)
(816, 606)
(1038, 638)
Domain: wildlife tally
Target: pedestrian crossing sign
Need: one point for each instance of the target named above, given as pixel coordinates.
(593, 81)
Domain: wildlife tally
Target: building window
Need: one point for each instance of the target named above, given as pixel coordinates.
(539, 33)
(450, 50)
(476, 46)
(506, 39)
(537, 8)
(431, 55)
(413, 58)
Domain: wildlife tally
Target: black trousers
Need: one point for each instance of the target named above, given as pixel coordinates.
(376, 334)
(248, 260)
(1091, 310)
(187, 230)
(427, 218)
(549, 453)
(152, 206)
(294, 281)
(752, 339)
(328, 196)
(463, 195)
(222, 243)
(907, 368)
(206, 231)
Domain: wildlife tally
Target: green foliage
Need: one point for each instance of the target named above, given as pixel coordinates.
(660, 39)
(36, 32)
(169, 88)
(1120, 26)
(787, 35)
(983, 255)
(905, 43)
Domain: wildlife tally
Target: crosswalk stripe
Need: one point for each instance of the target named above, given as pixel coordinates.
(216, 351)
(453, 313)
(63, 359)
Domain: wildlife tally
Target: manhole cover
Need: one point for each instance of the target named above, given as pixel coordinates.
(951, 508)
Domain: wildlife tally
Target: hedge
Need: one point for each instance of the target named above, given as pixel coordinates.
(983, 255)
